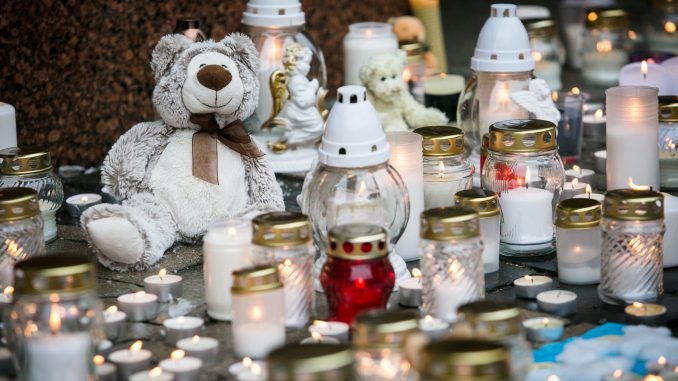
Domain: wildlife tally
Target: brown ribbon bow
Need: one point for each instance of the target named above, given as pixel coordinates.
(205, 157)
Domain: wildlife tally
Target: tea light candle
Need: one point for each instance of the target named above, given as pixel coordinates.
(204, 348)
(573, 188)
(130, 361)
(105, 370)
(433, 327)
(7, 126)
(317, 338)
(155, 374)
(645, 313)
(593, 196)
(544, 329)
(529, 286)
(183, 368)
(139, 306)
(557, 302)
(81, 202)
(181, 327)
(115, 322)
(581, 174)
(619, 375)
(601, 160)
(334, 329)
(410, 290)
(646, 74)
(165, 286)
(248, 370)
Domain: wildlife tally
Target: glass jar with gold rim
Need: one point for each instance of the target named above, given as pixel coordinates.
(606, 45)
(465, 360)
(446, 170)
(668, 138)
(579, 240)
(451, 260)
(31, 167)
(258, 322)
(661, 22)
(311, 362)
(547, 50)
(633, 236)
(486, 204)
(524, 169)
(21, 234)
(56, 320)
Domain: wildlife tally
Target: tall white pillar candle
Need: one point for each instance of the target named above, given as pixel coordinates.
(7, 126)
(51, 352)
(364, 40)
(407, 159)
(632, 128)
(646, 74)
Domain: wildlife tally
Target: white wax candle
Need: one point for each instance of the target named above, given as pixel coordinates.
(115, 322)
(69, 353)
(7, 126)
(557, 302)
(257, 340)
(602, 67)
(364, 40)
(572, 188)
(582, 174)
(334, 329)
(530, 286)
(204, 348)
(183, 368)
(130, 361)
(139, 306)
(105, 371)
(527, 216)
(646, 74)
(671, 234)
(248, 370)
(578, 255)
(155, 374)
(440, 191)
(645, 313)
(594, 196)
(432, 327)
(410, 291)
(544, 329)
(81, 202)
(181, 327)
(449, 295)
(165, 286)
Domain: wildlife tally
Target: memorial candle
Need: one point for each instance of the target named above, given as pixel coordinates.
(334, 329)
(204, 348)
(647, 75)
(364, 40)
(183, 368)
(165, 286)
(132, 360)
(138, 306)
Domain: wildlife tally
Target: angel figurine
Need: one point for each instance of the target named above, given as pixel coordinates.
(299, 116)
(537, 100)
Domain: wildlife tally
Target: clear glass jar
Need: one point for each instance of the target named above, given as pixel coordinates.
(357, 275)
(547, 51)
(578, 240)
(284, 240)
(56, 321)
(415, 72)
(661, 26)
(465, 360)
(633, 235)
(363, 40)
(31, 167)
(503, 323)
(572, 16)
(311, 362)
(379, 339)
(524, 169)
(451, 260)
(668, 138)
(486, 204)
(570, 127)
(446, 170)
(606, 46)
(258, 322)
(21, 234)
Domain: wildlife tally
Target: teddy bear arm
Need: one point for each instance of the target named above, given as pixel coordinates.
(265, 194)
(417, 115)
(126, 166)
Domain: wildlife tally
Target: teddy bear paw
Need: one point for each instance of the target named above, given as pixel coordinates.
(117, 239)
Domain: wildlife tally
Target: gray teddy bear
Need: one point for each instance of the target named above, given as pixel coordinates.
(196, 163)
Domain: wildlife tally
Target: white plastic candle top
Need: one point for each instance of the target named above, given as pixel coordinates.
(503, 44)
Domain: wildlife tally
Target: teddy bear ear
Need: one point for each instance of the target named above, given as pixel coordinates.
(367, 71)
(166, 51)
(242, 49)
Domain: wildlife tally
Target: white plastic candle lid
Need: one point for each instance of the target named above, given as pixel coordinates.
(353, 136)
(273, 13)
(503, 44)
(525, 12)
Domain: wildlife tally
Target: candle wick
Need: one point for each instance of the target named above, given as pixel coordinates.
(644, 75)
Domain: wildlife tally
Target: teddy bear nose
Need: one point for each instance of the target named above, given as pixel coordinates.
(214, 77)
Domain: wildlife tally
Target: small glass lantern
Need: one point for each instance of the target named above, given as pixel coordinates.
(56, 321)
(465, 360)
(572, 15)
(570, 127)
(272, 26)
(284, 240)
(524, 169)
(451, 260)
(258, 311)
(311, 362)
(415, 72)
(446, 170)
(579, 240)
(486, 204)
(661, 24)
(606, 46)
(31, 167)
(357, 275)
(547, 50)
(668, 138)
(379, 338)
(631, 262)
(21, 234)
(503, 323)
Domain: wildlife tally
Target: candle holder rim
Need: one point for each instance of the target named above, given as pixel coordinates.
(668, 109)
(25, 160)
(518, 131)
(434, 139)
(484, 202)
(450, 223)
(482, 360)
(363, 235)
(283, 228)
(309, 358)
(579, 207)
(255, 279)
(18, 203)
(54, 274)
(633, 200)
(381, 328)
(632, 92)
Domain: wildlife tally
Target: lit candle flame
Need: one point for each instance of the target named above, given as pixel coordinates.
(428, 318)
(136, 347)
(592, 16)
(84, 199)
(588, 190)
(598, 114)
(139, 294)
(575, 90)
(661, 361)
(503, 96)
(635, 186)
(643, 68)
(442, 75)
(247, 362)
(638, 304)
(416, 273)
(632, 34)
(98, 360)
(162, 273)
(368, 33)
(316, 336)
(553, 378)
(231, 232)
(112, 309)
(54, 319)
(256, 313)
(195, 339)
(155, 372)
(536, 56)
(529, 279)
(604, 46)
(177, 354)
(181, 320)
(407, 75)
(554, 96)
(320, 323)
(670, 27)
(527, 176)
(441, 168)
(545, 321)
(617, 373)
(362, 188)
(576, 168)
(287, 262)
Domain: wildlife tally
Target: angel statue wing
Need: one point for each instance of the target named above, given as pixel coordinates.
(278, 84)
(538, 101)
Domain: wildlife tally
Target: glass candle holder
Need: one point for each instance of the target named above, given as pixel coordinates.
(258, 311)
(415, 72)
(486, 204)
(362, 41)
(524, 169)
(631, 258)
(357, 275)
(311, 362)
(31, 167)
(21, 230)
(547, 50)
(606, 46)
(668, 138)
(632, 126)
(502, 323)
(56, 318)
(570, 127)
(457, 359)
(451, 260)
(661, 24)
(379, 339)
(442, 91)
(579, 241)
(284, 240)
(446, 170)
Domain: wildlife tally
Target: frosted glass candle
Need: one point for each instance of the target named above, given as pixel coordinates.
(671, 233)
(602, 66)
(364, 40)
(181, 327)
(632, 128)
(226, 247)
(407, 159)
(7, 126)
(204, 348)
(130, 361)
(138, 306)
(646, 74)
(527, 216)
(486, 204)
(183, 368)
(57, 357)
(579, 241)
(165, 286)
